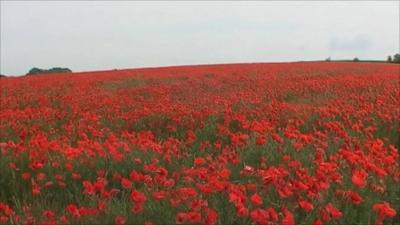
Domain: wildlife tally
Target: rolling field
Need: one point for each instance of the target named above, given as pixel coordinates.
(277, 143)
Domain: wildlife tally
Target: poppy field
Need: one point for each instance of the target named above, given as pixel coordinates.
(268, 144)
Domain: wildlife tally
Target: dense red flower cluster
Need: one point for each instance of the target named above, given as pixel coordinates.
(269, 144)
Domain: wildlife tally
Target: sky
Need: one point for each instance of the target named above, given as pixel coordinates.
(90, 35)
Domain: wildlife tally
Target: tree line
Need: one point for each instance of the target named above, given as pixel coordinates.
(395, 59)
(390, 59)
(36, 70)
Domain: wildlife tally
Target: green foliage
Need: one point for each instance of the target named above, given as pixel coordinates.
(396, 58)
(36, 70)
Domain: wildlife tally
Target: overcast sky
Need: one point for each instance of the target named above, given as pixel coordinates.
(106, 35)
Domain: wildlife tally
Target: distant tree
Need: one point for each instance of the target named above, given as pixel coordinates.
(396, 58)
(389, 58)
(36, 70)
(328, 59)
(59, 70)
(356, 59)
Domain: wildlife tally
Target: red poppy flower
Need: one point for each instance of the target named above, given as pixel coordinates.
(138, 197)
(333, 211)
(126, 183)
(73, 210)
(89, 188)
(355, 197)
(211, 216)
(288, 218)
(307, 206)
(260, 140)
(256, 199)
(119, 220)
(181, 218)
(359, 178)
(384, 209)
(158, 195)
